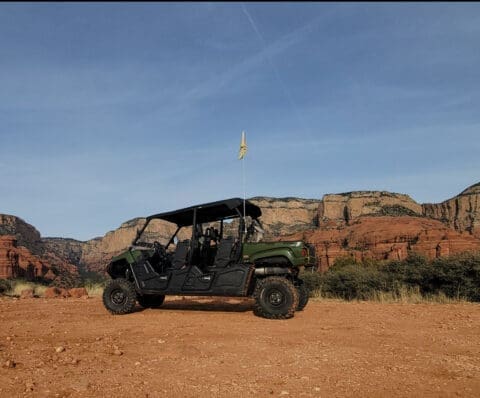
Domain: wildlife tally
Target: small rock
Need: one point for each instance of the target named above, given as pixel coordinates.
(78, 292)
(10, 363)
(59, 349)
(117, 352)
(74, 361)
(29, 385)
(137, 363)
(26, 294)
(284, 393)
(9, 338)
(54, 292)
(160, 341)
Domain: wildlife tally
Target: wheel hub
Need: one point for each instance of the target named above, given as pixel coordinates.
(275, 297)
(118, 296)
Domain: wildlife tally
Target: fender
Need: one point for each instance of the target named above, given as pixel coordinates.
(282, 255)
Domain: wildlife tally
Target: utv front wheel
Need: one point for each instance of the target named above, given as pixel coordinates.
(303, 296)
(150, 301)
(119, 296)
(275, 298)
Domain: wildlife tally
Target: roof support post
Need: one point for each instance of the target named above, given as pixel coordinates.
(193, 241)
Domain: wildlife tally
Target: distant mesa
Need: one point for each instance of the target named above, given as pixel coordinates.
(361, 224)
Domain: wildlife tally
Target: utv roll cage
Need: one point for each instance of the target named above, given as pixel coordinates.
(205, 213)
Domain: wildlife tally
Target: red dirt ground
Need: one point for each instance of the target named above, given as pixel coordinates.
(213, 348)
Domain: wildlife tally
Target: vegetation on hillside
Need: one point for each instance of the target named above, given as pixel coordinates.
(415, 278)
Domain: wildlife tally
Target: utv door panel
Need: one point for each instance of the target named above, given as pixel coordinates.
(177, 280)
(197, 280)
(232, 281)
(147, 278)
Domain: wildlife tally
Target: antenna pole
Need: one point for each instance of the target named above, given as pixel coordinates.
(244, 196)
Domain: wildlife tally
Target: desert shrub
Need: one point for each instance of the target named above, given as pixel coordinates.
(91, 277)
(456, 276)
(396, 211)
(353, 281)
(313, 281)
(411, 280)
(94, 289)
(5, 286)
(16, 286)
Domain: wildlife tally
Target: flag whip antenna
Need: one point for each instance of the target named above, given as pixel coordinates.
(241, 156)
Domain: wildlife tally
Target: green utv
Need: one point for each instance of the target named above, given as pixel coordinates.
(211, 263)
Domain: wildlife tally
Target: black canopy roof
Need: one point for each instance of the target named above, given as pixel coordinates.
(209, 212)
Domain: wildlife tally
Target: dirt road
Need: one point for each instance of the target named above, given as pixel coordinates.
(206, 348)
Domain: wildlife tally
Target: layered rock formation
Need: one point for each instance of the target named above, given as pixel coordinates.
(23, 254)
(462, 212)
(19, 262)
(282, 216)
(351, 205)
(25, 234)
(386, 238)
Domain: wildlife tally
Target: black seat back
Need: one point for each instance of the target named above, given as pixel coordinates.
(181, 254)
(224, 252)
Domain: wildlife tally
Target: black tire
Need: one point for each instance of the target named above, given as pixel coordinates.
(119, 296)
(275, 298)
(303, 296)
(150, 301)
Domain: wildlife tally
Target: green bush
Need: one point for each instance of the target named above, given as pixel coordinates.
(5, 286)
(455, 277)
(354, 281)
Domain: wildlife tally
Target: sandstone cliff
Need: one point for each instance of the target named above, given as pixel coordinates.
(281, 216)
(351, 205)
(462, 212)
(386, 238)
(25, 234)
(18, 262)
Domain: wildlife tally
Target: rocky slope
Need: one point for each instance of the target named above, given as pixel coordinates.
(462, 212)
(351, 205)
(331, 220)
(386, 238)
(282, 216)
(19, 262)
(25, 234)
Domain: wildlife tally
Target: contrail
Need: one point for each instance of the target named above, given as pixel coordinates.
(285, 89)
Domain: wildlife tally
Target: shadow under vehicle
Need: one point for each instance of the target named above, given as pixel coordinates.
(217, 260)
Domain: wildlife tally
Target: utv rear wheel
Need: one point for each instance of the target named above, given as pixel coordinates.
(119, 296)
(150, 301)
(303, 296)
(275, 298)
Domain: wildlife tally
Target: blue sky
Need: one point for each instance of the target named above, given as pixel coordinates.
(114, 111)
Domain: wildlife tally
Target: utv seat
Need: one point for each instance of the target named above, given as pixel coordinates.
(224, 252)
(181, 254)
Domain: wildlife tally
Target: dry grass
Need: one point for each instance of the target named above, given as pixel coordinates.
(94, 289)
(403, 295)
(20, 285)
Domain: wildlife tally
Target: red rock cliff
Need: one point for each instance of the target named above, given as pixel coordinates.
(386, 238)
(462, 212)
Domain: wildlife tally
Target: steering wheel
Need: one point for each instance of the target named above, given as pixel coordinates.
(160, 249)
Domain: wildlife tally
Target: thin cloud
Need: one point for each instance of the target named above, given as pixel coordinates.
(279, 46)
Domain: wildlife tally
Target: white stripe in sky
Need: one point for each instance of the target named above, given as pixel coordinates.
(285, 89)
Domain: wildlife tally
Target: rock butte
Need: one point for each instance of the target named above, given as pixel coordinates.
(18, 262)
(362, 224)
